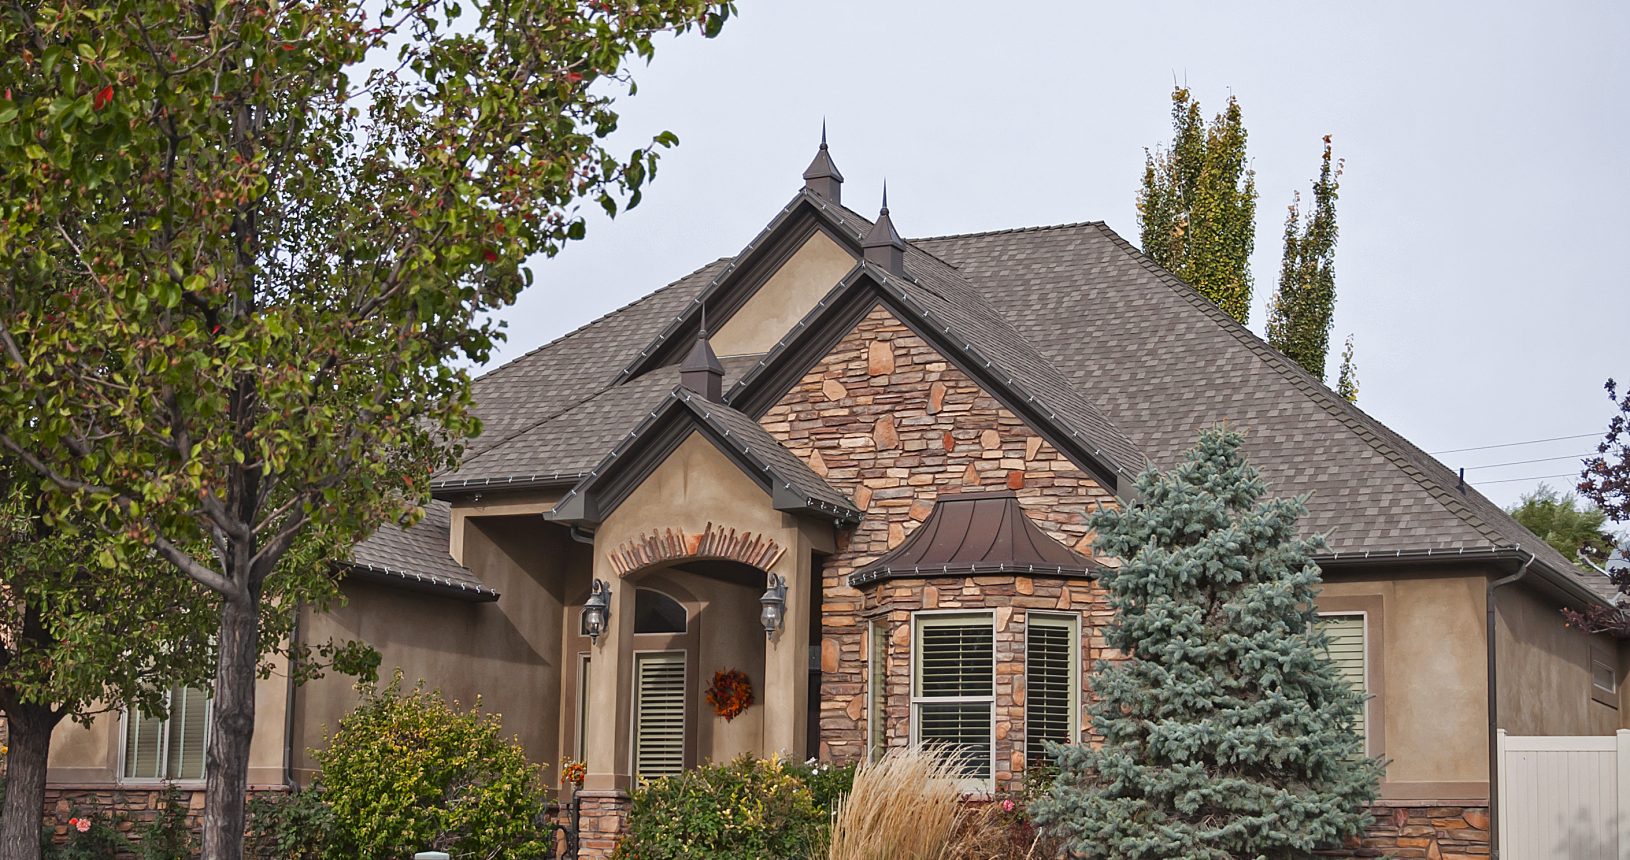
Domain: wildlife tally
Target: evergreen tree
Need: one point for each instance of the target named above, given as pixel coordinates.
(1347, 377)
(1305, 304)
(1579, 533)
(1197, 205)
(1227, 732)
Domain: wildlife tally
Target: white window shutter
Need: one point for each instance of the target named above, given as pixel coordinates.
(1050, 683)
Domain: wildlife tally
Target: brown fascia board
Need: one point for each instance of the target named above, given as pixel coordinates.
(452, 491)
(409, 581)
(801, 218)
(836, 315)
(651, 443)
(1502, 560)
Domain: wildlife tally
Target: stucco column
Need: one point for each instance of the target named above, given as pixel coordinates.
(786, 660)
(611, 670)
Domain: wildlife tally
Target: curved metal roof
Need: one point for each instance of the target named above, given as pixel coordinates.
(969, 533)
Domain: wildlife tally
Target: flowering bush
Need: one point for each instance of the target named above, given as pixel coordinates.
(730, 694)
(411, 772)
(89, 838)
(744, 810)
(827, 782)
(573, 772)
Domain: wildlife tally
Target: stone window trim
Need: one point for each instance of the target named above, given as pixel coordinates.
(1372, 607)
(1603, 657)
(1071, 621)
(972, 786)
(120, 780)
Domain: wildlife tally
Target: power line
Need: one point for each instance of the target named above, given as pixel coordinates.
(1535, 478)
(1526, 462)
(1515, 444)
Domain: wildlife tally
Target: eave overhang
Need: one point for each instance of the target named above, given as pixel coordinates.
(409, 581)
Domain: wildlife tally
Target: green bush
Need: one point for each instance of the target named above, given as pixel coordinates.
(298, 825)
(827, 782)
(168, 836)
(101, 842)
(411, 772)
(743, 810)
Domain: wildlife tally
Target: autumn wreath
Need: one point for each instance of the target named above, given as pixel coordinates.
(730, 693)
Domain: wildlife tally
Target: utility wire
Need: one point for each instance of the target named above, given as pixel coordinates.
(1515, 444)
(1526, 462)
(1535, 478)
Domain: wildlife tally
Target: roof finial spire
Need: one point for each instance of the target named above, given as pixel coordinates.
(703, 333)
(701, 371)
(883, 247)
(822, 176)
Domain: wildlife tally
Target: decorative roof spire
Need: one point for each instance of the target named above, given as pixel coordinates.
(822, 176)
(883, 247)
(701, 371)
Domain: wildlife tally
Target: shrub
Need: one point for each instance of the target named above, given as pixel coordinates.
(294, 826)
(99, 841)
(827, 782)
(411, 772)
(907, 804)
(168, 836)
(744, 810)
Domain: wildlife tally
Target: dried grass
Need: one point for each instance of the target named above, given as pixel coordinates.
(907, 805)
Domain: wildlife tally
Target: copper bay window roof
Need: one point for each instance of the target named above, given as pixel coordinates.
(973, 533)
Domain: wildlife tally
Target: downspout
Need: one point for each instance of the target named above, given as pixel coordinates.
(1494, 710)
(288, 704)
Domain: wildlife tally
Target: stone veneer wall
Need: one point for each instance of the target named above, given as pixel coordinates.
(130, 809)
(601, 819)
(1409, 830)
(885, 418)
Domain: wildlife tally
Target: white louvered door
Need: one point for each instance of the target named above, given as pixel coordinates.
(659, 714)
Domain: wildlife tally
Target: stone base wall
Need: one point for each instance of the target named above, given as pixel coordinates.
(602, 819)
(1412, 830)
(130, 810)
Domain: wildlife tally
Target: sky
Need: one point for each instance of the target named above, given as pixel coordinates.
(1482, 213)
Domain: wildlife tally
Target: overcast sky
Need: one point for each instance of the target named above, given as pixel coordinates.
(1483, 210)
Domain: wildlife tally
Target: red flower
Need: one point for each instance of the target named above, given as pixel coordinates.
(573, 77)
(491, 257)
(102, 97)
(83, 825)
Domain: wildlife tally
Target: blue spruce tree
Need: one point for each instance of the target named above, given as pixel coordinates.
(1227, 733)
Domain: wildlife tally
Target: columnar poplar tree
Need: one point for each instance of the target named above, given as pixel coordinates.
(1347, 376)
(1227, 731)
(249, 245)
(1304, 305)
(1197, 204)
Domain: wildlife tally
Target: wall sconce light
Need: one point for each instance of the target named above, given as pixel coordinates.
(597, 610)
(774, 601)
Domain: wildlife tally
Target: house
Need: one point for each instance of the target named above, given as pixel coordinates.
(859, 469)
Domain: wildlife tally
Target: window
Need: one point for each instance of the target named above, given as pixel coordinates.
(1344, 636)
(876, 700)
(1052, 682)
(953, 688)
(1604, 675)
(171, 748)
(582, 707)
(659, 714)
(655, 612)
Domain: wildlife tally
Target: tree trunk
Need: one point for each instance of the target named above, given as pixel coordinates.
(30, 727)
(232, 727)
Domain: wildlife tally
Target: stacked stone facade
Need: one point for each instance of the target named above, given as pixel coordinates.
(602, 817)
(886, 419)
(1409, 830)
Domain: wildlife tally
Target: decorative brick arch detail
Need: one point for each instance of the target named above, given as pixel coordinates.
(713, 542)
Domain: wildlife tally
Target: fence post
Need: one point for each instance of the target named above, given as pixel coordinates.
(1500, 794)
(1622, 807)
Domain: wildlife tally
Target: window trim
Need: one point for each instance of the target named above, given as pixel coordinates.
(164, 745)
(1370, 694)
(933, 617)
(584, 659)
(877, 741)
(1601, 654)
(1071, 621)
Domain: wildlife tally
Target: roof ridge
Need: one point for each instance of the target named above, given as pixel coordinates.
(599, 319)
(1032, 229)
(1366, 427)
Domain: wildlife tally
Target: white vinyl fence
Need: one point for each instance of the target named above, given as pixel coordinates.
(1565, 797)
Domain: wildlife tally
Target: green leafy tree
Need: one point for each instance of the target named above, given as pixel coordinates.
(249, 246)
(1197, 204)
(1227, 731)
(1304, 306)
(1579, 533)
(1347, 376)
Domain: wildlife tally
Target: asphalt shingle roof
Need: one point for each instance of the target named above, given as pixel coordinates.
(419, 556)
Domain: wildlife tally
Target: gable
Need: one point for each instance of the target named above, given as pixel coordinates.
(887, 419)
(796, 286)
(694, 486)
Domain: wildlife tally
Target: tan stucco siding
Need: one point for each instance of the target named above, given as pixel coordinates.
(1434, 696)
(508, 653)
(1544, 669)
(789, 294)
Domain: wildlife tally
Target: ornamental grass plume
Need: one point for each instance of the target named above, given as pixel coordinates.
(907, 805)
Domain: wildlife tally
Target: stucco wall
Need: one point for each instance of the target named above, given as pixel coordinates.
(1544, 674)
(507, 652)
(807, 276)
(1434, 699)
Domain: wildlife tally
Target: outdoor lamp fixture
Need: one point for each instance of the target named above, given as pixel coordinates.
(774, 613)
(597, 610)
